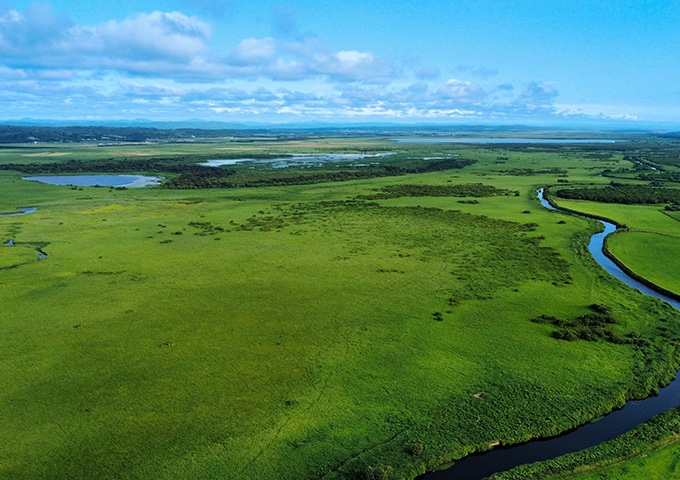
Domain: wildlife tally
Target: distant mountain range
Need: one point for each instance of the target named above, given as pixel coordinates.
(31, 130)
(196, 123)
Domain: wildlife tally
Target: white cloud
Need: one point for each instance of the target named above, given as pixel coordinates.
(37, 36)
(463, 91)
(254, 51)
(352, 65)
(165, 61)
(37, 29)
(286, 70)
(173, 45)
(150, 90)
(608, 112)
(169, 36)
(537, 95)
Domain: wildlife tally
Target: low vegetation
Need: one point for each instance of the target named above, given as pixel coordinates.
(590, 326)
(623, 193)
(341, 323)
(459, 190)
(648, 451)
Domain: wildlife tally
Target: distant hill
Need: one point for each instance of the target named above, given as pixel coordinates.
(104, 134)
(44, 131)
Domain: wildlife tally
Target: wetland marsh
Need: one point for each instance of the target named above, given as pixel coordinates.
(633, 414)
(330, 323)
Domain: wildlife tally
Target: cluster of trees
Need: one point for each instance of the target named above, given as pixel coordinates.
(590, 327)
(655, 158)
(191, 175)
(623, 193)
(462, 190)
(527, 172)
(206, 179)
(673, 177)
(147, 165)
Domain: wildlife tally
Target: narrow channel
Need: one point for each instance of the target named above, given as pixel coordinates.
(23, 211)
(634, 413)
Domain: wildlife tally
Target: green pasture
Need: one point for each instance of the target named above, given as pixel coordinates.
(659, 464)
(304, 331)
(652, 246)
(648, 451)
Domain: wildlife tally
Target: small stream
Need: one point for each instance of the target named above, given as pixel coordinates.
(23, 211)
(634, 413)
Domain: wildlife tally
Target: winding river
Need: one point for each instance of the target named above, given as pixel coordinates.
(634, 413)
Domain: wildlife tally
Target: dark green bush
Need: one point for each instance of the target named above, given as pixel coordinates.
(378, 472)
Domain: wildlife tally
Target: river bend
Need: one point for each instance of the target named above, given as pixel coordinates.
(634, 413)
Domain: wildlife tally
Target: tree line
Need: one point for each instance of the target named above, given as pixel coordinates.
(623, 193)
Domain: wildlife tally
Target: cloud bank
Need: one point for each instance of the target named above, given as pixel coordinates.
(164, 64)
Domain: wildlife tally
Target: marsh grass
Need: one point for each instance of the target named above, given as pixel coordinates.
(302, 343)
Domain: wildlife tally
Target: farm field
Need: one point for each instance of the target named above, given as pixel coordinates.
(323, 320)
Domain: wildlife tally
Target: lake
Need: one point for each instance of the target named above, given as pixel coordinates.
(130, 181)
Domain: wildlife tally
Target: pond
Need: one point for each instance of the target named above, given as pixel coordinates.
(298, 159)
(501, 140)
(129, 181)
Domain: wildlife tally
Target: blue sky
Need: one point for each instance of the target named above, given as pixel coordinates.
(427, 61)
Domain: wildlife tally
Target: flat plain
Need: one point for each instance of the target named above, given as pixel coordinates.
(329, 320)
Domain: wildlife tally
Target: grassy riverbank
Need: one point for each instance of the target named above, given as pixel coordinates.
(306, 331)
(650, 452)
(652, 246)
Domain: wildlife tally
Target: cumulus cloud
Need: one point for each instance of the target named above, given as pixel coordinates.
(176, 46)
(254, 51)
(146, 42)
(152, 90)
(164, 62)
(37, 29)
(463, 91)
(286, 70)
(537, 95)
(147, 35)
(352, 65)
(452, 100)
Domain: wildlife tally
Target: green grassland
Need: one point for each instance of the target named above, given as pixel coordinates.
(648, 451)
(306, 330)
(651, 247)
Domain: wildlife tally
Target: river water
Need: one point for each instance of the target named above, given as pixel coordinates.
(23, 211)
(634, 413)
